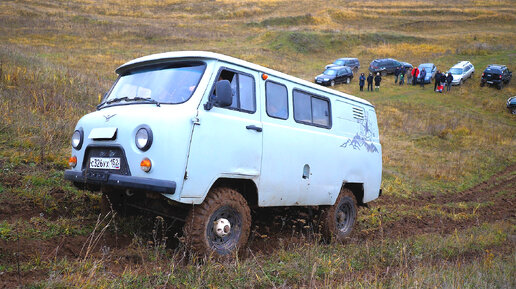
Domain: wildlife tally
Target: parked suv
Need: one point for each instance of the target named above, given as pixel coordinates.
(497, 75)
(353, 63)
(335, 75)
(511, 104)
(461, 71)
(384, 66)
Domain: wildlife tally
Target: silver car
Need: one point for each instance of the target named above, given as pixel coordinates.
(461, 71)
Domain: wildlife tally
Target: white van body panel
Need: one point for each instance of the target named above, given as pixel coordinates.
(291, 163)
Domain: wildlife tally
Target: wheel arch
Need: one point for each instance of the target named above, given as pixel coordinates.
(358, 191)
(246, 187)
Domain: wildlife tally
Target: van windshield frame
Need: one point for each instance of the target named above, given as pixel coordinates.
(169, 83)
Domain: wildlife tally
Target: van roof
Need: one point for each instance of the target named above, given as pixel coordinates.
(167, 56)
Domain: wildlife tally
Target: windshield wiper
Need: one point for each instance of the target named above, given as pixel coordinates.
(149, 100)
(113, 100)
(125, 98)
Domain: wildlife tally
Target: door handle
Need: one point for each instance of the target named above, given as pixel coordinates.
(254, 127)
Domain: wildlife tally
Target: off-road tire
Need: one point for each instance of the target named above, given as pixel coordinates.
(513, 111)
(383, 73)
(482, 84)
(220, 202)
(500, 86)
(338, 220)
(110, 202)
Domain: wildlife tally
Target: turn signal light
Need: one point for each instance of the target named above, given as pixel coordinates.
(72, 161)
(264, 76)
(146, 165)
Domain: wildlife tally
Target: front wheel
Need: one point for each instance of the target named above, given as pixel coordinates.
(513, 110)
(338, 220)
(220, 225)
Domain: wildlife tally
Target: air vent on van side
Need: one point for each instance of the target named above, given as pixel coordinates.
(358, 112)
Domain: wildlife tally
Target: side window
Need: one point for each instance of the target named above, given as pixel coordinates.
(311, 110)
(276, 99)
(242, 88)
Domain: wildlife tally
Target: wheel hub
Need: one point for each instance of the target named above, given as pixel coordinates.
(221, 227)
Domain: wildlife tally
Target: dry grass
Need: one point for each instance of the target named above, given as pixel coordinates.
(58, 57)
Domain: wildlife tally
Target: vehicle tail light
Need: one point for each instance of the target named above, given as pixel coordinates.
(72, 161)
(146, 165)
(482, 74)
(500, 76)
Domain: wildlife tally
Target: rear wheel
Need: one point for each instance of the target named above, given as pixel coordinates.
(513, 110)
(482, 84)
(220, 225)
(500, 86)
(383, 73)
(338, 220)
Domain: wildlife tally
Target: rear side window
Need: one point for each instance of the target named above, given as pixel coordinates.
(242, 88)
(311, 110)
(276, 99)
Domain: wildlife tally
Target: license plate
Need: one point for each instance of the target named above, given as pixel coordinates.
(105, 163)
(490, 82)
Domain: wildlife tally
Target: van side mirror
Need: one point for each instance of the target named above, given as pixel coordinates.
(223, 96)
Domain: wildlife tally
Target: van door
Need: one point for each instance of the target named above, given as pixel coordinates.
(226, 141)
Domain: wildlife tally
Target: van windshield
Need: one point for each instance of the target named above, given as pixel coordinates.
(170, 83)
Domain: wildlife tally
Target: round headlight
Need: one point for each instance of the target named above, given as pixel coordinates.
(143, 138)
(77, 140)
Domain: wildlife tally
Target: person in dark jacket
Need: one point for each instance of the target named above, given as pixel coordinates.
(370, 82)
(422, 76)
(361, 81)
(377, 80)
(449, 80)
(437, 80)
(396, 74)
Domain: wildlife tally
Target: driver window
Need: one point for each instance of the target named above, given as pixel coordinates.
(242, 88)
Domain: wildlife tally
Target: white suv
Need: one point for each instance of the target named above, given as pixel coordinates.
(461, 71)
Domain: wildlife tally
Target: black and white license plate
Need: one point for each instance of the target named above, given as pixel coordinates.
(105, 163)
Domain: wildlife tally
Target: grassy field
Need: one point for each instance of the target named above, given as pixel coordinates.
(447, 218)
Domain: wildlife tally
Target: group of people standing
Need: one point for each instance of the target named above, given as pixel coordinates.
(441, 79)
(377, 80)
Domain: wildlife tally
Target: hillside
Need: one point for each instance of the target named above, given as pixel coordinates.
(447, 216)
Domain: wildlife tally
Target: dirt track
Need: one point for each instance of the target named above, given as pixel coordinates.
(288, 225)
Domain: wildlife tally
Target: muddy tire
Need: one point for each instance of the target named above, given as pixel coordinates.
(383, 73)
(221, 203)
(338, 220)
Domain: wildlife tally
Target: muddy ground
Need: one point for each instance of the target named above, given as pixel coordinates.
(289, 226)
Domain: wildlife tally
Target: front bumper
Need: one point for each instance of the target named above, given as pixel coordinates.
(322, 82)
(122, 181)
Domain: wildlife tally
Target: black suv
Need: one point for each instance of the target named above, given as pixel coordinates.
(496, 75)
(384, 66)
(353, 63)
(334, 75)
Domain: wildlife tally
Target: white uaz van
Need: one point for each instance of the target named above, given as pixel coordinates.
(201, 137)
